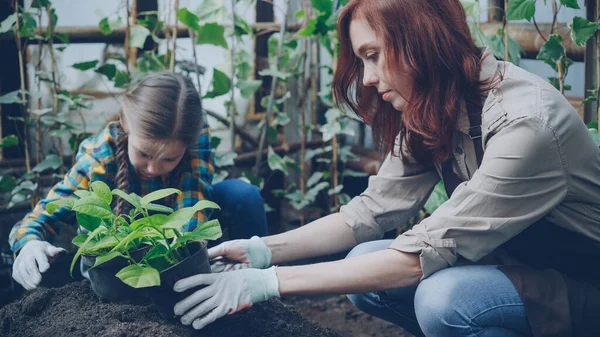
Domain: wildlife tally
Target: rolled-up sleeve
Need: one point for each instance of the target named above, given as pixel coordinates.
(522, 178)
(393, 196)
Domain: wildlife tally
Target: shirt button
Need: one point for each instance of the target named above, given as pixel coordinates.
(458, 150)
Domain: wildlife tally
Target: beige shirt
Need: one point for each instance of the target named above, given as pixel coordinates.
(539, 161)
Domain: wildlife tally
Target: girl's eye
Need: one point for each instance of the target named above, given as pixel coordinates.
(372, 57)
(143, 155)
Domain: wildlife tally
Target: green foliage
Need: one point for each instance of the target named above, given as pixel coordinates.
(582, 30)
(220, 84)
(115, 235)
(521, 9)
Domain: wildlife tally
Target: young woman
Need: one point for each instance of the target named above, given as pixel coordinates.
(513, 252)
(161, 140)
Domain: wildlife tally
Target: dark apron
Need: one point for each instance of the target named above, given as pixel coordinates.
(555, 271)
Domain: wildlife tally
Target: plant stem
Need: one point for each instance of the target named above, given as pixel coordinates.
(127, 37)
(505, 32)
(55, 83)
(559, 65)
(172, 65)
(193, 40)
(22, 75)
(263, 136)
(232, 99)
(164, 235)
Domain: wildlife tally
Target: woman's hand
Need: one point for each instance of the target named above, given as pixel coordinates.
(240, 254)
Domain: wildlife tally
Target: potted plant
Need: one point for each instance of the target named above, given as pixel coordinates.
(142, 249)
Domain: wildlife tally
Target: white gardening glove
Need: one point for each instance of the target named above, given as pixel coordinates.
(225, 293)
(32, 261)
(240, 254)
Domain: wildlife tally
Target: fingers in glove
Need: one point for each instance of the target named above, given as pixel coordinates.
(53, 251)
(199, 311)
(16, 271)
(32, 276)
(194, 299)
(217, 251)
(208, 318)
(41, 260)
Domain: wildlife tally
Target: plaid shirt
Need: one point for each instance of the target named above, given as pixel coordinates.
(96, 160)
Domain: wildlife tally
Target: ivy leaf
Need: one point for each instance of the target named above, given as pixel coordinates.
(137, 36)
(570, 4)
(276, 163)
(220, 84)
(139, 276)
(275, 73)
(553, 50)
(323, 6)
(223, 159)
(248, 88)
(8, 141)
(314, 178)
(582, 30)
(254, 180)
(335, 190)
(212, 33)
(352, 173)
(7, 183)
(51, 161)
(189, 19)
(107, 69)
(211, 11)
(11, 97)
(521, 9)
(121, 79)
(8, 23)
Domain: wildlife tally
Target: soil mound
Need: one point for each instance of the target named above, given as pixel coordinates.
(74, 310)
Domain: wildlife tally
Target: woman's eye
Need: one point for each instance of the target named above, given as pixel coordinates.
(372, 57)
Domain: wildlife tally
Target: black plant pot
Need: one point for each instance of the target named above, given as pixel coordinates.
(104, 282)
(163, 296)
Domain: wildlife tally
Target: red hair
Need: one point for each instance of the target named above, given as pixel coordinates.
(433, 41)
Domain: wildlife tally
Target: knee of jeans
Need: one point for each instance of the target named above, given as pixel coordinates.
(368, 247)
(436, 304)
(244, 192)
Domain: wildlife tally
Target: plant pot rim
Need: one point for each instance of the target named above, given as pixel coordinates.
(203, 245)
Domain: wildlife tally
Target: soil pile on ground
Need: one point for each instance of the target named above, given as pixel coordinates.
(74, 310)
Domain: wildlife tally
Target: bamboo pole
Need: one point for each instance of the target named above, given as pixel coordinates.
(172, 65)
(22, 76)
(232, 97)
(134, 50)
(267, 117)
(127, 38)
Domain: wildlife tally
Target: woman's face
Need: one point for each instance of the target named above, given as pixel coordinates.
(370, 50)
(152, 158)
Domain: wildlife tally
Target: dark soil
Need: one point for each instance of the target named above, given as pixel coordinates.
(74, 310)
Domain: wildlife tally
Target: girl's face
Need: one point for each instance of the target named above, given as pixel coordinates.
(370, 50)
(152, 158)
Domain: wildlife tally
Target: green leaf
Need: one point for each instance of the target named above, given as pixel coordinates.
(553, 50)
(79, 240)
(276, 163)
(10, 140)
(7, 183)
(204, 204)
(93, 206)
(275, 73)
(209, 230)
(8, 23)
(570, 4)
(81, 249)
(85, 65)
(223, 159)
(595, 135)
(156, 195)
(137, 36)
(189, 19)
(220, 84)
(323, 6)
(159, 208)
(582, 30)
(242, 27)
(248, 88)
(51, 161)
(254, 180)
(335, 190)
(104, 26)
(131, 198)
(155, 220)
(351, 173)
(11, 97)
(282, 119)
(102, 191)
(105, 258)
(139, 276)
(53, 206)
(436, 198)
(521, 9)
(314, 178)
(211, 11)
(212, 33)
(82, 193)
(300, 14)
(88, 222)
(130, 237)
(107, 69)
(158, 258)
(272, 134)
(121, 79)
(106, 242)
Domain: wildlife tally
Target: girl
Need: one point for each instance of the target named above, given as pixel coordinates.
(513, 252)
(161, 140)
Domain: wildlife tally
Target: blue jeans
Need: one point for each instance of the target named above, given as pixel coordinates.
(458, 301)
(242, 213)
